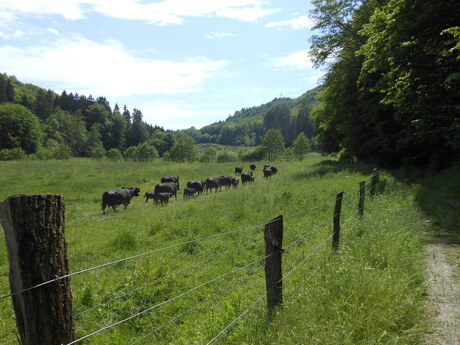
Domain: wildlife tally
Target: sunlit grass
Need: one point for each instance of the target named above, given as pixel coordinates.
(368, 292)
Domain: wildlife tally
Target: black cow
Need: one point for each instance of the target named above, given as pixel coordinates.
(267, 172)
(212, 182)
(247, 177)
(198, 185)
(252, 166)
(238, 170)
(174, 179)
(149, 195)
(235, 182)
(274, 169)
(189, 192)
(115, 197)
(167, 187)
(162, 197)
(226, 180)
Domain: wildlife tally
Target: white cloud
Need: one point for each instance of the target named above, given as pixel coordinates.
(53, 31)
(219, 35)
(80, 65)
(16, 34)
(166, 12)
(296, 60)
(301, 22)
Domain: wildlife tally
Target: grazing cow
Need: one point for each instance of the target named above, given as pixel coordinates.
(247, 177)
(167, 187)
(198, 185)
(267, 172)
(238, 170)
(226, 180)
(149, 195)
(212, 182)
(252, 166)
(174, 179)
(162, 197)
(189, 192)
(115, 197)
(235, 182)
(274, 169)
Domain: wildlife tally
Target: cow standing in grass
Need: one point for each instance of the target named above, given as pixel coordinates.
(121, 196)
(167, 187)
(173, 179)
(198, 185)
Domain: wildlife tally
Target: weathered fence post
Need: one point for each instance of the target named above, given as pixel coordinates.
(373, 183)
(336, 220)
(362, 193)
(376, 173)
(273, 236)
(34, 231)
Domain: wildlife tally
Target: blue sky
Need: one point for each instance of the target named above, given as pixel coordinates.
(183, 63)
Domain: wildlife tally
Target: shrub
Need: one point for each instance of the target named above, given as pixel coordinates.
(12, 154)
(255, 154)
(114, 155)
(226, 156)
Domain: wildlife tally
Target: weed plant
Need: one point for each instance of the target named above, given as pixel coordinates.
(367, 292)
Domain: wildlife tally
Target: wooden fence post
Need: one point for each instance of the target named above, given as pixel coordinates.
(34, 231)
(373, 184)
(362, 193)
(273, 236)
(336, 220)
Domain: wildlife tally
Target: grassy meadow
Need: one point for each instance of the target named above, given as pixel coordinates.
(369, 292)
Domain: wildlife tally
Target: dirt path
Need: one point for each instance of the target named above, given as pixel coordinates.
(443, 265)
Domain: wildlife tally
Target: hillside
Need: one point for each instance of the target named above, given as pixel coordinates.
(246, 127)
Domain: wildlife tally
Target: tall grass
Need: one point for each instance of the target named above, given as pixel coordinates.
(368, 292)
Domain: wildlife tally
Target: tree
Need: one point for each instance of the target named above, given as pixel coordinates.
(183, 150)
(209, 155)
(273, 143)
(145, 152)
(19, 127)
(67, 129)
(301, 146)
(96, 113)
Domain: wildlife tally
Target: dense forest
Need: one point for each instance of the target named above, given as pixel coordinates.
(392, 92)
(43, 124)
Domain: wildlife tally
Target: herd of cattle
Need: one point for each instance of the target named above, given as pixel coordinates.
(169, 186)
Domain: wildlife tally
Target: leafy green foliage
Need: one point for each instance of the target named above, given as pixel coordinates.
(301, 146)
(19, 128)
(273, 143)
(390, 97)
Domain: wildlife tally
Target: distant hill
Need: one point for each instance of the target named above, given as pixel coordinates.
(246, 127)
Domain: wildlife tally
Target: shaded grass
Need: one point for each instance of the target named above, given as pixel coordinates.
(353, 289)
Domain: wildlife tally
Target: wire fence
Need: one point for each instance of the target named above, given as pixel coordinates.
(351, 201)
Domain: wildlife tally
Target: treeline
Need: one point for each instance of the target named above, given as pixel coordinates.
(47, 125)
(73, 124)
(248, 126)
(391, 94)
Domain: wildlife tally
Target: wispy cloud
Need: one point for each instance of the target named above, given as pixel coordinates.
(166, 12)
(219, 35)
(53, 31)
(16, 34)
(298, 23)
(78, 64)
(296, 60)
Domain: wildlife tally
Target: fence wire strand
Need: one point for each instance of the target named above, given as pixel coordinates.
(168, 301)
(134, 257)
(166, 277)
(10, 341)
(194, 307)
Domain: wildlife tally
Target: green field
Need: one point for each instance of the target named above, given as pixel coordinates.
(369, 292)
